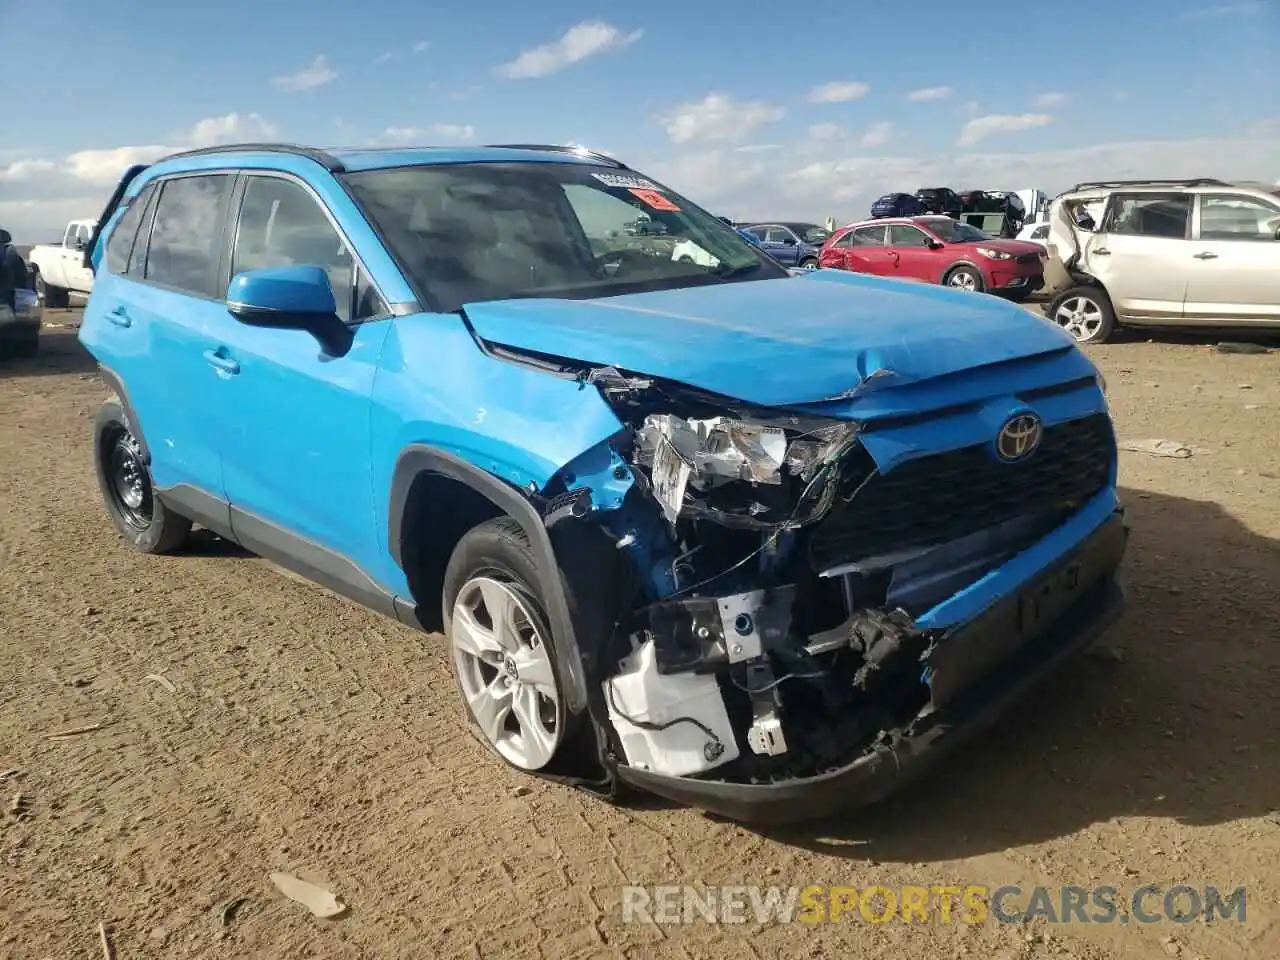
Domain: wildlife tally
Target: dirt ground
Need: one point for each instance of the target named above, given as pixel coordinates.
(292, 731)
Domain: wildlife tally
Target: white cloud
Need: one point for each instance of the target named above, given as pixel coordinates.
(1048, 101)
(841, 91)
(384, 57)
(1247, 8)
(37, 194)
(717, 116)
(438, 132)
(316, 74)
(979, 128)
(925, 94)
(587, 39)
(421, 46)
(877, 135)
(837, 179)
(825, 132)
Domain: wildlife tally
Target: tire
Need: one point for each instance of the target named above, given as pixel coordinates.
(964, 277)
(123, 476)
(808, 263)
(508, 677)
(1085, 312)
(56, 298)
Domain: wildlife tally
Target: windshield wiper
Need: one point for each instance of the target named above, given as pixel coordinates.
(725, 272)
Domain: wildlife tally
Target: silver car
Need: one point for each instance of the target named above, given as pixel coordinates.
(1197, 253)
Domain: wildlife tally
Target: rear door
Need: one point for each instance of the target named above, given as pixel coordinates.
(1234, 270)
(913, 258)
(867, 252)
(1143, 254)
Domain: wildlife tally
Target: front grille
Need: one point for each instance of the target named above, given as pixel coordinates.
(946, 496)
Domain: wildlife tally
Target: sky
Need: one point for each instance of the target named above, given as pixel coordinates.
(751, 110)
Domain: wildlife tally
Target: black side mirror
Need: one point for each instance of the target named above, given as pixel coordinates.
(788, 241)
(933, 244)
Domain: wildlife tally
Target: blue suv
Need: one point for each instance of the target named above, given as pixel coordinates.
(757, 542)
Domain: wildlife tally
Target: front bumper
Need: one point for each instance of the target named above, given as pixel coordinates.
(1090, 571)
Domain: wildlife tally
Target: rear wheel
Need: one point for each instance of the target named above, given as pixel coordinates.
(809, 263)
(1085, 312)
(965, 278)
(51, 296)
(125, 480)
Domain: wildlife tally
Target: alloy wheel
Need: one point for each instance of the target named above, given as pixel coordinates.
(963, 280)
(1080, 317)
(504, 670)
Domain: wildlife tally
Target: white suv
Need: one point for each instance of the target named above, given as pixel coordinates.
(1198, 253)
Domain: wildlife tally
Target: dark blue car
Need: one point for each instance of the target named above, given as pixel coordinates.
(791, 243)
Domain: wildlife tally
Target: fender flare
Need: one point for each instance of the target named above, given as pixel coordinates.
(418, 458)
(116, 385)
(963, 262)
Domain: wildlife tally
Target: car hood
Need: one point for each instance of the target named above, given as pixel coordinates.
(799, 340)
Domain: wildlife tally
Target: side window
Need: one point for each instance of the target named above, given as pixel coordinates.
(779, 235)
(69, 238)
(757, 232)
(184, 248)
(845, 240)
(1227, 217)
(120, 244)
(1149, 215)
(1040, 232)
(869, 237)
(281, 225)
(901, 235)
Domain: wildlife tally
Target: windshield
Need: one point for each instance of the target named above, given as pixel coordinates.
(952, 231)
(468, 233)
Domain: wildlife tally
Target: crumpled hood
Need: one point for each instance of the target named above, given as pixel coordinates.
(778, 342)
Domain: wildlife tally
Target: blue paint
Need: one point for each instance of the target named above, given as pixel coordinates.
(297, 290)
(260, 417)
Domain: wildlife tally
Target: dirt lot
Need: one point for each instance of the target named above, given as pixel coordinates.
(295, 732)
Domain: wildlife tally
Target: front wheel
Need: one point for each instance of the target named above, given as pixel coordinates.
(965, 278)
(503, 653)
(125, 480)
(809, 263)
(1085, 312)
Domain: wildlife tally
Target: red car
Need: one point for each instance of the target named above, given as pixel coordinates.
(937, 249)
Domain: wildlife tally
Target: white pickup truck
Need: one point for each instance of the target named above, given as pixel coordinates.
(59, 270)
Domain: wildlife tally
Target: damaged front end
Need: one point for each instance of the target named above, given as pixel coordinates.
(804, 621)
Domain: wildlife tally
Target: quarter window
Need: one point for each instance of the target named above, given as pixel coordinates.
(282, 225)
(1227, 217)
(120, 245)
(1151, 215)
(185, 234)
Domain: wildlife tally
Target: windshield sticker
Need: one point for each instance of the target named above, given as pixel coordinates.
(655, 200)
(625, 181)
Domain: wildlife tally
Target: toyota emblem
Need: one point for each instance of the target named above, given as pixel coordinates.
(1019, 437)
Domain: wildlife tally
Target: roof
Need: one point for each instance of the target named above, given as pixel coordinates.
(354, 159)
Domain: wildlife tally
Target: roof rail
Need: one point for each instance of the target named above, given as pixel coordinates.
(561, 148)
(326, 160)
(1192, 182)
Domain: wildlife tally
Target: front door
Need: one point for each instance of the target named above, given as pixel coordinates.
(1234, 270)
(781, 244)
(1142, 254)
(913, 258)
(295, 437)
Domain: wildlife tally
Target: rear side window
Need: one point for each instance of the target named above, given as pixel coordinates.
(1238, 217)
(1150, 215)
(868, 237)
(185, 234)
(120, 246)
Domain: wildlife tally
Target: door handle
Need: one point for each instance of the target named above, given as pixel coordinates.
(221, 361)
(120, 317)
(1100, 252)
(1206, 256)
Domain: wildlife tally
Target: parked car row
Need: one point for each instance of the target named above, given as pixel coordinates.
(997, 212)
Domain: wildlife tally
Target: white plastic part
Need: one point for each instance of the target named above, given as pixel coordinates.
(640, 693)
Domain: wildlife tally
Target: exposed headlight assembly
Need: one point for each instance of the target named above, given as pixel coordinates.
(700, 455)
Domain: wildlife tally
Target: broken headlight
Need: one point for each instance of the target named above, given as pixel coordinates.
(697, 456)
